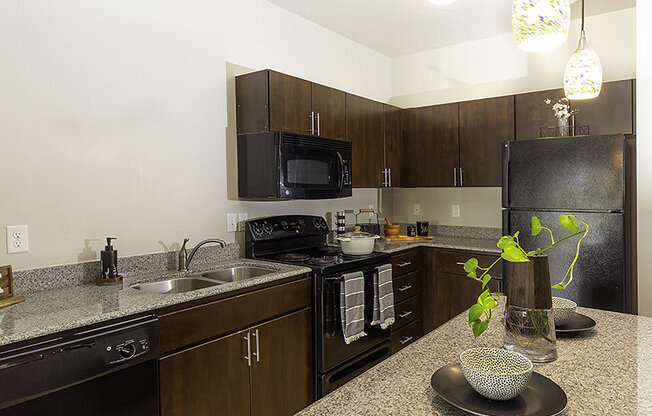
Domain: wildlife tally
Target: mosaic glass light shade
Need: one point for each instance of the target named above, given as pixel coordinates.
(583, 76)
(540, 25)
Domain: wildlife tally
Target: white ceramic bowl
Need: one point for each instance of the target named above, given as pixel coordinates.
(563, 309)
(496, 373)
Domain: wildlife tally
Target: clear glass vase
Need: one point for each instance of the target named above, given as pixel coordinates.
(564, 129)
(530, 332)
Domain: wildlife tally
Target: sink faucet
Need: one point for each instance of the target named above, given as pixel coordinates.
(185, 259)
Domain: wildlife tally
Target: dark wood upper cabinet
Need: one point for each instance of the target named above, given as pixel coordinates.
(611, 112)
(289, 103)
(432, 147)
(328, 105)
(532, 112)
(365, 131)
(281, 370)
(484, 125)
(394, 146)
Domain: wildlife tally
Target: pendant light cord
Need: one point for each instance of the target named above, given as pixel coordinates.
(582, 15)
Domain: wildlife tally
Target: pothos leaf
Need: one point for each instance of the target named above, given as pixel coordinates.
(483, 296)
(479, 327)
(516, 234)
(472, 275)
(569, 223)
(490, 303)
(514, 254)
(536, 225)
(470, 265)
(559, 286)
(505, 241)
(485, 279)
(475, 312)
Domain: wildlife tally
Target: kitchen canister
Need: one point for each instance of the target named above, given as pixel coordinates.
(422, 228)
(412, 230)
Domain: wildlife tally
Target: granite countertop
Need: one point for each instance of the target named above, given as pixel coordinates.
(605, 371)
(486, 245)
(55, 310)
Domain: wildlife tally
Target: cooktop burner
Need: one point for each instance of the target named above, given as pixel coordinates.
(299, 257)
(320, 261)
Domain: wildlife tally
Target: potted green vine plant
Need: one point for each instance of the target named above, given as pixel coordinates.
(529, 328)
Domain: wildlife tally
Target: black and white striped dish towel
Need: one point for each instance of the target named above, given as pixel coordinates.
(352, 306)
(383, 297)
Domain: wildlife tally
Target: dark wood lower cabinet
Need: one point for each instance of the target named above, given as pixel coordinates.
(209, 379)
(281, 370)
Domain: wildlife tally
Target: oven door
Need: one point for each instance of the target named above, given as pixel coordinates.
(331, 349)
(314, 168)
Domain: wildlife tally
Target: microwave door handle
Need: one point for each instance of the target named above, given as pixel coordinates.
(341, 162)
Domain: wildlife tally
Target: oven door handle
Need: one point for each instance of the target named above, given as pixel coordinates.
(341, 172)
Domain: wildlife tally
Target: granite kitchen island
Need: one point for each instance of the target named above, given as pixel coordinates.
(604, 371)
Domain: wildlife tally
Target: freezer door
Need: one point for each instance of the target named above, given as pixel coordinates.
(575, 173)
(599, 276)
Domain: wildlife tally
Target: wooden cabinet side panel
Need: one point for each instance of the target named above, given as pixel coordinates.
(484, 125)
(282, 381)
(331, 106)
(189, 326)
(364, 129)
(289, 103)
(251, 102)
(209, 379)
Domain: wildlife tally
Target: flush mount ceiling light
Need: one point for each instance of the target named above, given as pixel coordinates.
(583, 76)
(540, 25)
(441, 2)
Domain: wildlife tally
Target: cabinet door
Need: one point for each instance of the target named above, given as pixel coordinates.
(209, 379)
(282, 370)
(393, 144)
(532, 112)
(365, 130)
(609, 113)
(484, 125)
(455, 293)
(432, 154)
(289, 103)
(329, 103)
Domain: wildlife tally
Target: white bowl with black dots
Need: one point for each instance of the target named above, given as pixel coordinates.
(496, 373)
(563, 310)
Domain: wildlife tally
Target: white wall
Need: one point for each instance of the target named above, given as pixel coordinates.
(114, 117)
(644, 155)
(494, 66)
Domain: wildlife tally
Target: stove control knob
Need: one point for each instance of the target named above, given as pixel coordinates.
(268, 228)
(316, 223)
(127, 351)
(284, 225)
(256, 228)
(323, 224)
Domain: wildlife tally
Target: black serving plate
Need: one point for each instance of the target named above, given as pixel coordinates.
(578, 323)
(542, 397)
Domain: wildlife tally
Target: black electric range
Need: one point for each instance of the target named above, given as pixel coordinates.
(303, 240)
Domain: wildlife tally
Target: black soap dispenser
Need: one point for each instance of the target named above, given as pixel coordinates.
(109, 259)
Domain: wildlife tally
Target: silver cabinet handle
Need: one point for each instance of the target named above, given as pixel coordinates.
(248, 356)
(459, 263)
(318, 126)
(257, 353)
(311, 130)
(389, 175)
(454, 176)
(405, 340)
(407, 263)
(384, 184)
(461, 177)
(404, 288)
(404, 314)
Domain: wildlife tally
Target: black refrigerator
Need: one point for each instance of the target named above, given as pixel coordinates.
(592, 177)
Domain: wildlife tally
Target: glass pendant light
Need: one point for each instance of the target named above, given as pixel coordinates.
(539, 25)
(583, 76)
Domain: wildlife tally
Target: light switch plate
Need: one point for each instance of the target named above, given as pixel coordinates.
(417, 209)
(17, 239)
(456, 211)
(231, 222)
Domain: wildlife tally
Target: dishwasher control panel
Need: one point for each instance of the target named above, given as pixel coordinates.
(129, 344)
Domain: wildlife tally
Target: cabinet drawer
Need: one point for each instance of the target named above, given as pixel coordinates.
(406, 336)
(406, 312)
(404, 263)
(453, 262)
(405, 287)
(203, 322)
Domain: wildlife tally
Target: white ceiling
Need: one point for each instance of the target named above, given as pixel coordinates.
(400, 27)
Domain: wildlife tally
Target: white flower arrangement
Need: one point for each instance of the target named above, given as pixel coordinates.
(562, 108)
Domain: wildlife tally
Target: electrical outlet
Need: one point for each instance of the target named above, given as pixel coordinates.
(242, 217)
(417, 209)
(231, 222)
(372, 206)
(17, 239)
(456, 211)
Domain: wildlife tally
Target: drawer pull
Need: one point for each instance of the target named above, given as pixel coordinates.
(404, 314)
(404, 288)
(405, 340)
(407, 263)
(459, 263)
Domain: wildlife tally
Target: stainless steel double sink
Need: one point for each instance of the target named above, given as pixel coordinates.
(203, 280)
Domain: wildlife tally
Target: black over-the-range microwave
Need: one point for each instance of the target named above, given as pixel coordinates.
(293, 166)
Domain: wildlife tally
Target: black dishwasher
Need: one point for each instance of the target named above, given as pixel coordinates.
(107, 370)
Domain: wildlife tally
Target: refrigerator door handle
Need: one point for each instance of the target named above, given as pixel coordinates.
(505, 159)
